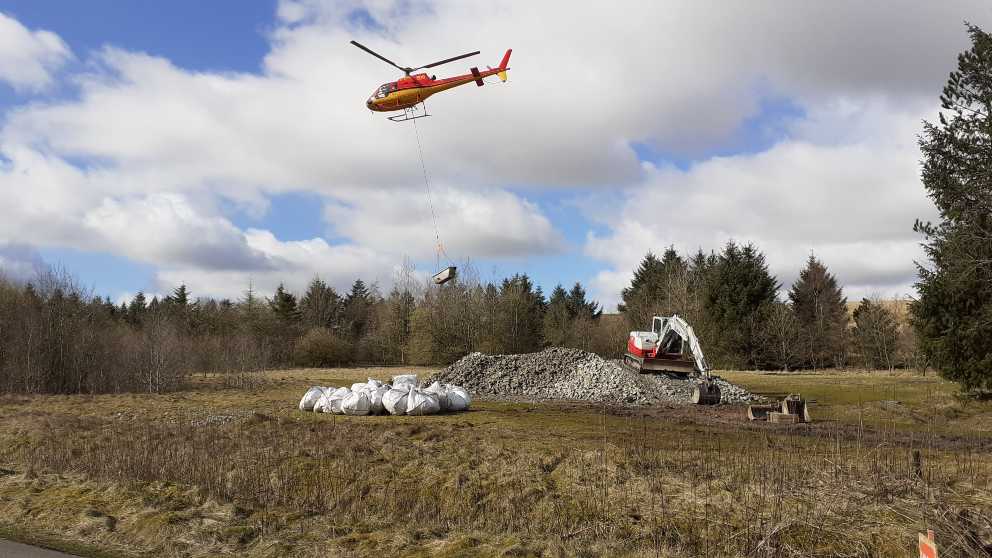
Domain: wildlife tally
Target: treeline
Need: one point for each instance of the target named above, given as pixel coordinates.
(57, 338)
(731, 300)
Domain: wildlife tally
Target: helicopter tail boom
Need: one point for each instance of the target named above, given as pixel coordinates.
(503, 63)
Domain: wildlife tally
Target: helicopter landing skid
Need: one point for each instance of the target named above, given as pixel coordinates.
(411, 113)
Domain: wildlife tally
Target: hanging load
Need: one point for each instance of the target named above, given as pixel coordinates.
(445, 275)
(671, 346)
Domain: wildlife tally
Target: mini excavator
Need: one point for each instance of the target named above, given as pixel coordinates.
(671, 347)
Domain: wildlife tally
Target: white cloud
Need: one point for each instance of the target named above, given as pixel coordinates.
(20, 262)
(28, 59)
(478, 223)
(853, 204)
(163, 148)
(298, 263)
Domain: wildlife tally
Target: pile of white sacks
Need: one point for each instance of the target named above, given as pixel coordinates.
(403, 397)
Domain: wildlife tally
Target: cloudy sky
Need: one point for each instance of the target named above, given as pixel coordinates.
(226, 142)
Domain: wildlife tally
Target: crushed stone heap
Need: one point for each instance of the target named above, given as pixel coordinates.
(560, 373)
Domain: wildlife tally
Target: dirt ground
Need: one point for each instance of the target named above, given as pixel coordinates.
(213, 471)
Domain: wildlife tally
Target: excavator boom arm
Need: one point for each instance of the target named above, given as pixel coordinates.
(663, 326)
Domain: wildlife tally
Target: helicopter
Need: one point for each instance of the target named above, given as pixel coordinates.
(409, 91)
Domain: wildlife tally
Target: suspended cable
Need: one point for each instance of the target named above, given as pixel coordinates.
(430, 201)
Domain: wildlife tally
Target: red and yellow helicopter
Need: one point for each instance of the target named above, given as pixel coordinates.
(407, 92)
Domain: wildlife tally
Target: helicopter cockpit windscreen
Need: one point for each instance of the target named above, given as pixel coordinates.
(384, 90)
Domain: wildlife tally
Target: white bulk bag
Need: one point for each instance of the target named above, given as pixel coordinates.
(458, 398)
(356, 403)
(375, 400)
(394, 401)
(374, 384)
(422, 403)
(359, 387)
(334, 400)
(441, 392)
(321, 404)
(405, 381)
(310, 398)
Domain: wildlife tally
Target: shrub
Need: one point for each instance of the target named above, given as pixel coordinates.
(321, 347)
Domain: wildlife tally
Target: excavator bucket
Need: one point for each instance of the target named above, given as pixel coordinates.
(760, 412)
(796, 405)
(792, 410)
(706, 393)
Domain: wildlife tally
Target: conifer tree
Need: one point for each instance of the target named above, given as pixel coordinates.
(876, 333)
(283, 305)
(737, 289)
(558, 319)
(579, 306)
(179, 296)
(136, 309)
(821, 307)
(659, 287)
(519, 316)
(320, 305)
(951, 316)
(357, 306)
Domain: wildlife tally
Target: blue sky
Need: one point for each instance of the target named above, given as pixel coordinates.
(259, 163)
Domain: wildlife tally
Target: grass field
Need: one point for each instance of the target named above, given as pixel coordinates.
(215, 471)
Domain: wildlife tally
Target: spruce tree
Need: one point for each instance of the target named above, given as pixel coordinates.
(179, 296)
(320, 305)
(136, 310)
(558, 318)
(952, 314)
(579, 306)
(519, 316)
(659, 287)
(357, 307)
(283, 305)
(821, 308)
(737, 289)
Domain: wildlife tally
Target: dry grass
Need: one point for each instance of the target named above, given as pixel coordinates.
(215, 471)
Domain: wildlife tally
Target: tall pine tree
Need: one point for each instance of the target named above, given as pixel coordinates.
(738, 288)
(283, 306)
(821, 308)
(953, 315)
(320, 305)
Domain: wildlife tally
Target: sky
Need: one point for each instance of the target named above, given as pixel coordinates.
(226, 143)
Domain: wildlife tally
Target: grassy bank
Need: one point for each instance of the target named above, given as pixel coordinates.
(215, 471)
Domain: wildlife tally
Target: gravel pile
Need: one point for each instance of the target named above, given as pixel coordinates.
(559, 373)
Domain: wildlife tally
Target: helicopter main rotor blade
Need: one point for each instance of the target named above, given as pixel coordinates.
(449, 60)
(380, 57)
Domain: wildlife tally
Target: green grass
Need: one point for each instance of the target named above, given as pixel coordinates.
(505, 479)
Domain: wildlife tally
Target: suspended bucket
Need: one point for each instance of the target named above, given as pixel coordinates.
(445, 275)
